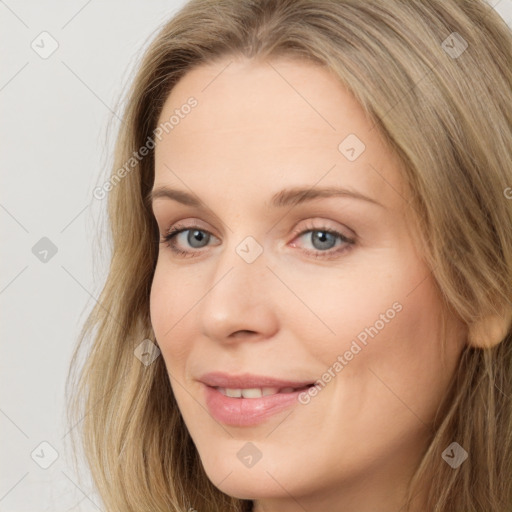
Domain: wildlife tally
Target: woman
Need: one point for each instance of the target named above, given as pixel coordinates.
(309, 300)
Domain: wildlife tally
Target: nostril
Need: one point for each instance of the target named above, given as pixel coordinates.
(242, 334)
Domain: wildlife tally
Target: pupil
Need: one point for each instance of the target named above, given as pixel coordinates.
(322, 237)
(195, 236)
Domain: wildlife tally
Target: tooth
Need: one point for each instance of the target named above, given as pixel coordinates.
(251, 393)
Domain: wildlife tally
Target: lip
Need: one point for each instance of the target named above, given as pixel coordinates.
(245, 412)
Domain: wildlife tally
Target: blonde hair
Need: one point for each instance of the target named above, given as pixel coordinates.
(446, 111)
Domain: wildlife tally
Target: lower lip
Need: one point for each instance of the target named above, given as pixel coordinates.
(245, 412)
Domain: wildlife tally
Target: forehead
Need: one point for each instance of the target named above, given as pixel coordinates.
(260, 122)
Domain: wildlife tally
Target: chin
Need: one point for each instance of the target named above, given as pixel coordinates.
(238, 481)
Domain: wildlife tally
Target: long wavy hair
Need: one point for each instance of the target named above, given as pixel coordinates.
(435, 78)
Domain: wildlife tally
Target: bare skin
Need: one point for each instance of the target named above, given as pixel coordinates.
(302, 302)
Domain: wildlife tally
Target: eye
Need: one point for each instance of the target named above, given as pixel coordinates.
(322, 239)
(192, 235)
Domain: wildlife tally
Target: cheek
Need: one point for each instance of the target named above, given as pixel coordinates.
(385, 316)
(168, 312)
(338, 306)
(401, 367)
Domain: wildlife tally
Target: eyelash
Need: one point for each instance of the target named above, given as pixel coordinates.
(328, 254)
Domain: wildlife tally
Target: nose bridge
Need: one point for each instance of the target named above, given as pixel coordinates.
(238, 298)
(242, 264)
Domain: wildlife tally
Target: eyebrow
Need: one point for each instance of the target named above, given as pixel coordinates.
(287, 197)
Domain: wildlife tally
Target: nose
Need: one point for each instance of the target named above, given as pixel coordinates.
(238, 304)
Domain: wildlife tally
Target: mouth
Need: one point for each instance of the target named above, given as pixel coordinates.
(258, 392)
(249, 400)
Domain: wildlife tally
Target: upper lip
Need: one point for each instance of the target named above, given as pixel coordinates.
(248, 381)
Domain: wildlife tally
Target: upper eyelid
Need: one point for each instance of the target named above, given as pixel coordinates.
(177, 228)
(194, 223)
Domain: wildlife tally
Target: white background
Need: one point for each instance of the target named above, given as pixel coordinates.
(55, 149)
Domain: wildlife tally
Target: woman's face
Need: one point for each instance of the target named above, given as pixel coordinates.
(275, 290)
